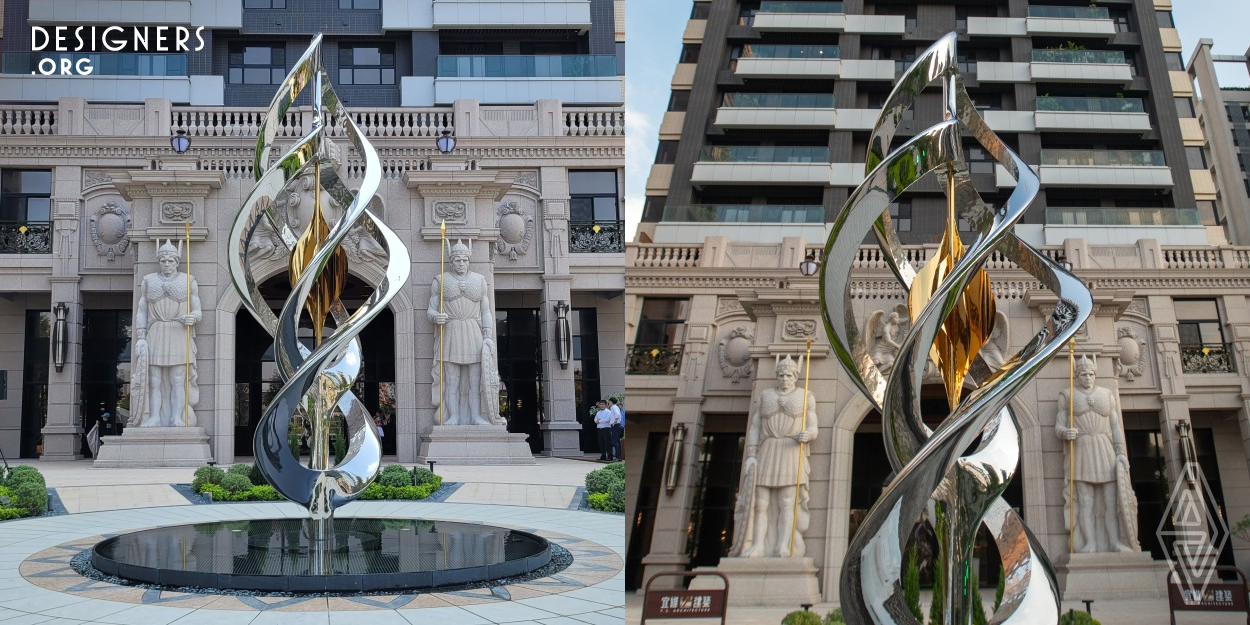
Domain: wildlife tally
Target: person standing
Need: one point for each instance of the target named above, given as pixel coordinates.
(618, 427)
(603, 425)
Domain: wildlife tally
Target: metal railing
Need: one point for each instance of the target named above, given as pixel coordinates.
(1070, 13)
(764, 154)
(1078, 56)
(1208, 358)
(787, 6)
(1101, 216)
(103, 64)
(791, 51)
(596, 237)
(1108, 158)
(746, 213)
(32, 237)
(519, 66)
(779, 100)
(653, 359)
(1091, 105)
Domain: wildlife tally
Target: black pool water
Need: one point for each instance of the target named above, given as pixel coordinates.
(278, 555)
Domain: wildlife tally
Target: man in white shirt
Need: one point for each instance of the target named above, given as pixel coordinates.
(618, 427)
(603, 425)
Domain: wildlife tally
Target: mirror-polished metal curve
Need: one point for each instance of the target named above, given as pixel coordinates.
(932, 478)
(317, 381)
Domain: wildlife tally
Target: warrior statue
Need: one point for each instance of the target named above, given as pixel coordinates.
(165, 380)
(468, 352)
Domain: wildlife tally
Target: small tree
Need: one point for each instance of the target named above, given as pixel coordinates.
(911, 583)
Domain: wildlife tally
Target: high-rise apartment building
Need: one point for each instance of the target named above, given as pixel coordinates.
(765, 136)
(530, 91)
(1224, 113)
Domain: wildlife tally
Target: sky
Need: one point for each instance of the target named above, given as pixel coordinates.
(654, 28)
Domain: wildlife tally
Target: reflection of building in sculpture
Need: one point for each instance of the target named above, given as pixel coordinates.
(723, 232)
(536, 182)
(168, 309)
(1099, 466)
(460, 305)
(769, 518)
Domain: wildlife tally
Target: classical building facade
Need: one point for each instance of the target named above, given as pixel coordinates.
(765, 138)
(533, 187)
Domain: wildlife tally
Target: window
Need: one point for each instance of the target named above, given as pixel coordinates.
(666, 152)
(1199, 323)
(679, 99)
(593, 196)
(367, 64)
(663, 321)
(1184, 107)
(701, 10)
(25, 196)
(1196, 157)
(360, 4)
(1174, 61)
(689, 53)
(1208, 213)
(264, 4)
(257, 65)
(1165, 19)
(900, 214)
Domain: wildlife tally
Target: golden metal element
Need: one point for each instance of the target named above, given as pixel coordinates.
(442, 256)
(330, 282)
(971, 320)
(186, 378)
(798, 478)
(1071, 445)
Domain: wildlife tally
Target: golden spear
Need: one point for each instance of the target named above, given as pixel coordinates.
(442, 253)
(798, 478)
(186, 378)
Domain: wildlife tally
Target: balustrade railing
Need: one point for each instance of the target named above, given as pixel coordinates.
(243, 122)
(653, 359)
(1192, 258)
(596, 237)
(594, 122)
(32, 237)
(1210, 358)
(659, 255)
(28, 120)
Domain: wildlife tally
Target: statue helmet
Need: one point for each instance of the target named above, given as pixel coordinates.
(168, 249)
(459, 249)
(1085, 364)
(788, 365)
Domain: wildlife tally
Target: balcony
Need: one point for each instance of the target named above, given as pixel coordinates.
(800, 16)
(1212, 358)
(777, 110)
(1105, 168)
(581, 79)
(737, 165)
(746, 213)
(596, 237)
(564, 14)
(33, 237)
(787, 61)
(1080, 66)
(1070, 21)
(1092, 114)
(1124, 226)
(653, 359)
(210, 14)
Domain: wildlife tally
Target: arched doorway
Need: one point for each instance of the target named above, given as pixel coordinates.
(256, 373)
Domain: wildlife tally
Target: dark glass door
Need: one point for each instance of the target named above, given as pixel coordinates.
(35, 382)
(647, 498)
(585, 331)
(520, 368)
(712, 513)
(105, 371)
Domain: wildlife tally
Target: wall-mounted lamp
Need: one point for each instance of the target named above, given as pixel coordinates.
(564, 339)
(809, 266)
(59, 336)
(446, 143)
(180, 142)
(673, 470)
(1188, 452)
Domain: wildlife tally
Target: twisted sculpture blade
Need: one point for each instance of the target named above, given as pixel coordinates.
(316, 382)
(931, 475)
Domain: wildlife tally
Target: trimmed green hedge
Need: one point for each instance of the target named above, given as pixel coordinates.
(802, 617)
(395, 482)
(23, 493)
(606, 488)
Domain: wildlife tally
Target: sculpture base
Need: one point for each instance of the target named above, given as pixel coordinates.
(787, 582)
(154, 447)
(1111, 576)
(473, 444)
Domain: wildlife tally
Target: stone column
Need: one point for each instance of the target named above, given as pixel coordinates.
(561, 431)
(672, 512)
(1175, 396)
(62, 435)
(406, 381)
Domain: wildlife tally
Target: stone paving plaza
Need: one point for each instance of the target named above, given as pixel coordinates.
(37, 585)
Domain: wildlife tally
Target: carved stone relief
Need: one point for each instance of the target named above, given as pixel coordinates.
(1131, 362)
(800, 329)
(734, 353)
(176, 212)
(450, 211)
(728, 306)
(95, 178)
(528, 178)
(110, 229)
(516, 230)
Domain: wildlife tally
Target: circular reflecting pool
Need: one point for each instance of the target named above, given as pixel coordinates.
(361, 555)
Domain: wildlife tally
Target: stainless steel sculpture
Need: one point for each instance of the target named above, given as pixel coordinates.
(317, 381)
(952, 311)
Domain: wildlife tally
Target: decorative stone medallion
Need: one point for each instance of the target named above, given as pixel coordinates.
(516, 230)
(176, 212)
(450, 211)
(1130, 364)
(800, 328)
(734, 353)
(110, 230)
